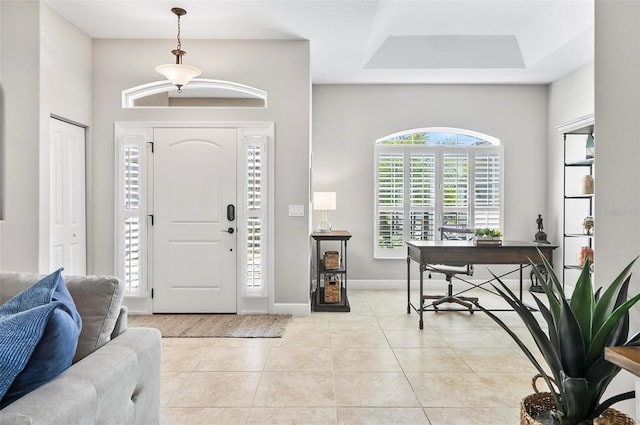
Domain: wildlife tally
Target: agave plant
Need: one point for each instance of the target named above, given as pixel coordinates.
(578, 330)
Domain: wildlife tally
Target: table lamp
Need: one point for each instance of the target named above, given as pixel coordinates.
(324, 201)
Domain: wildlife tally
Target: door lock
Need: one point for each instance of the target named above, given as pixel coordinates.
(231, 212)
(230, 230)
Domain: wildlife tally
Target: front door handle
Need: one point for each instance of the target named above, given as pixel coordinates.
(230, 230)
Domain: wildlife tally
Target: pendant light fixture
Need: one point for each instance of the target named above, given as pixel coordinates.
(177, 73)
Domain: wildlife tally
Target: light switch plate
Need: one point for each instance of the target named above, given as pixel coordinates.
(296, 210)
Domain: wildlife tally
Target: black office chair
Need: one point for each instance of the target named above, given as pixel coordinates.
(451, 270)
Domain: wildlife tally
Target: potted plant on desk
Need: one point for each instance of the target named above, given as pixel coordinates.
(487, 236)
(578, 330)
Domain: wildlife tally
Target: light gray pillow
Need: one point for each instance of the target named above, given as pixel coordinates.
(97, 298)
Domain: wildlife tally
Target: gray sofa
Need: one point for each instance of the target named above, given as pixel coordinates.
(115, 375)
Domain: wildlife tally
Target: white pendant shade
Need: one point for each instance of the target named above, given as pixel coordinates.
(178, 74)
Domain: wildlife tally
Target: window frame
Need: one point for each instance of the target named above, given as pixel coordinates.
(438, 210)
(135, 137)
(246, 213)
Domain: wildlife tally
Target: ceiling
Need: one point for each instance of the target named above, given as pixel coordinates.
(367, 41)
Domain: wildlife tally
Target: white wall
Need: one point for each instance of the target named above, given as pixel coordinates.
(20, 88)
(46, 69)
(617, 187)
(279, 67)
(2, 190)
(347, 119)
(570, 98)
(65, 91)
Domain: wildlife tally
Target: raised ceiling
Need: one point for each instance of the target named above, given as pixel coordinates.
(385, 41)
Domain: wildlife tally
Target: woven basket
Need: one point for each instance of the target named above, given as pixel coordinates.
(331, 260)
(332, 289)
(534, 404)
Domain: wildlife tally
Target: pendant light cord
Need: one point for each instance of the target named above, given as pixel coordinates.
(179, 42)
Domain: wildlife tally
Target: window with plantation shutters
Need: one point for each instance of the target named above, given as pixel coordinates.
(430, 178)
(390, 200)
(255, 218)
(131, 223)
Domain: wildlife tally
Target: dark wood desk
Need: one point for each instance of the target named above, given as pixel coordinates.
(466, 252)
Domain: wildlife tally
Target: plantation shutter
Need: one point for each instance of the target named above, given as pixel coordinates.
(131, 222)
(488, 190)
(422, 193)
(253, 249)
(390, 219)
(254, 217)
(455, 189)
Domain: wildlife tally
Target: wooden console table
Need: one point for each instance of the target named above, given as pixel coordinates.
(466, 252)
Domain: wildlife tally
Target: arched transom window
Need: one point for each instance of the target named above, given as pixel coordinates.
(433, 177)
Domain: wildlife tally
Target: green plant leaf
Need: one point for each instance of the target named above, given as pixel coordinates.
(550, 352)
(607, 302)
(599, 377)
(582, 301)
(621, 332)
(552, 357)
(611, 401)
(573, 351)
(554, 302)
(633, 341)
(554, 394)
(576, 393)
(603, 334)
(552, 275)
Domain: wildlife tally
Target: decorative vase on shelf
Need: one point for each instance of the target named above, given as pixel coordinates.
(587, 185)
(586, 253)
(589, 147)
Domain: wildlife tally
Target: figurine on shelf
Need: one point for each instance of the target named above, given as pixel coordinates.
(587, 225)
(541, 236)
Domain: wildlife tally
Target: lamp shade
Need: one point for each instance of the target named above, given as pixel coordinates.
(324, 201)
(178, 74)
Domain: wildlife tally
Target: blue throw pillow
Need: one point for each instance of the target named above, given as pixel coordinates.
(39, 330)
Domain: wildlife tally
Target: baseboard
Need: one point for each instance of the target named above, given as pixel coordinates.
(295, 309)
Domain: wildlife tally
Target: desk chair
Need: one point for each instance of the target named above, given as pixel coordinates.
(451, 270)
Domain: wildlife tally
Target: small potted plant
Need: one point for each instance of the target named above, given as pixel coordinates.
(578, 330)
(487, 236)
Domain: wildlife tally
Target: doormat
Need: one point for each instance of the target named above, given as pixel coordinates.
(214, 325)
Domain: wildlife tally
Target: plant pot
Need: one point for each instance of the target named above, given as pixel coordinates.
(487, 240)
(535, 409)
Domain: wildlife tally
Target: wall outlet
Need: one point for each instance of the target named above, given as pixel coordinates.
(296, 210)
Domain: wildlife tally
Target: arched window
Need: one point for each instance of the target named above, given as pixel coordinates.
(199, 93)
(431, 177)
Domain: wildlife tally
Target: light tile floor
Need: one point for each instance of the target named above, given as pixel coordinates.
(370, 366)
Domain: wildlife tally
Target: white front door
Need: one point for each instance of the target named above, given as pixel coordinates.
(194, 231)
(67, 239)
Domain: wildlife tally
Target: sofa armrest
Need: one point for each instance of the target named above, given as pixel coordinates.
(119, 383)
(122, 323)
